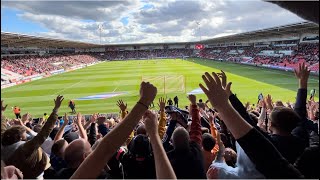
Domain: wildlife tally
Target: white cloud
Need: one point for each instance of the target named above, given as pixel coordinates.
(162, 21)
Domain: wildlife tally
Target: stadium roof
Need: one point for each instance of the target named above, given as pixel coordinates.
(21, 40)
(290, 29)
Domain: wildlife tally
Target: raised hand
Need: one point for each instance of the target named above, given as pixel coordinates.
(151, 123)
(217, 95)
(247, 105)
(162, 103)
(65, 120)
(268, 101)
(25, 117)
(147, 93)
(58, 102)
(193, 99)
(3, 108)
(19, 122)
(121, 105)
(302, 73)
(223, 77)
(262, 103)
(79, 118)
(94, 118)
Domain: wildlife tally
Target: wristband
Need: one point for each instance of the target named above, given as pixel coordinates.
(143, 104)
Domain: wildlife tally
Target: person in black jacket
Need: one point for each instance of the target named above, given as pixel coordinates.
(138, 162)
(186, 157)
(176, 101)
(258, 148)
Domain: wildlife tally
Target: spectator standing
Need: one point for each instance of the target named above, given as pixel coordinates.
(176, 101)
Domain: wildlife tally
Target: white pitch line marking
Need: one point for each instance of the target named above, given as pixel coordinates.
(70, 86)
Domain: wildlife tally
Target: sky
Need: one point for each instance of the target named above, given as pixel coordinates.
(140, 21)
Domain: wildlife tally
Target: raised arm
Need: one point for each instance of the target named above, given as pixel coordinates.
(167, 136)
(302, 74)
(162, 121)
(123, 110)
(92, 137)
(195, 130)
(259, 149)
(38, 140)
(61, 130)
(269, 103)
(220, 154)
(95, 162)
(235, 102)
(3, 118)
(82, 131)
(214, 131)
(164, 169)
(261, 119)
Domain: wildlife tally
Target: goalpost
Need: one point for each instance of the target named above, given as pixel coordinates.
(168, 83)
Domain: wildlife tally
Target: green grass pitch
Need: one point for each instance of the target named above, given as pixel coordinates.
(125, 76)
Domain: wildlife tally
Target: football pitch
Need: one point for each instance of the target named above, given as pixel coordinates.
(97, 88)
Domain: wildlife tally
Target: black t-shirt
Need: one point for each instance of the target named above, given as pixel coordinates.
(188, 164)
(170, 102)
(66, 173)
(138, 167)
(290, 147)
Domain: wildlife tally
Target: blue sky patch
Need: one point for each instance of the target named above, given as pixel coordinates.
(11, 22)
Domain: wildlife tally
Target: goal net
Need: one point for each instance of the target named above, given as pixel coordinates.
(167, 84)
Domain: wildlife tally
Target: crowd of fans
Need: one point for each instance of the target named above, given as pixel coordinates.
(304, 52)
(221, 138)
(140, 54)
(31, 65)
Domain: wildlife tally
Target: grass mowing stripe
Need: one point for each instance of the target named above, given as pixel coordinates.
(35, 97)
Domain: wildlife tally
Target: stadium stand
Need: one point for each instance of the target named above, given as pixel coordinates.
(31, 65)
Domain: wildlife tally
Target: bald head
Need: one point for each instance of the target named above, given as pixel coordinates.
(141, 130)
(180, 138)
(76, 152)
